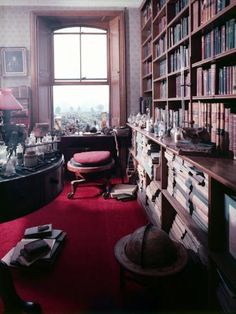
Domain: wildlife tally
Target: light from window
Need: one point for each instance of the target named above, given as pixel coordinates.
(81, 89)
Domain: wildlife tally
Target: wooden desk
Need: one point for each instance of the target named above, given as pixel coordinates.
(72, 144)
(25, 193)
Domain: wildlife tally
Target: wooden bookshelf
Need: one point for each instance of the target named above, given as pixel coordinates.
(193, 77)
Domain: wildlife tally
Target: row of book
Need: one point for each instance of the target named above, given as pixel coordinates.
(179, 5)
(39, 246)
(163, 89)
(149, 84)
(147, 68)
(222, 38)
(160, 46)
(147, 12)
(208, 9)
(189, 186)
(182, 85)
(160, 4)
(160, 24)
(179, 59)
(178, 232)
(179, 31)
(162, 68)
(209, 84)
(220, 122)
(148, 153)
(147, 49)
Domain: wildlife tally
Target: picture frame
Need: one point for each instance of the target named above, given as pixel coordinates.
(14, 61)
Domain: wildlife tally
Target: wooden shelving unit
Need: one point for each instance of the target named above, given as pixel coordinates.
(189, 39)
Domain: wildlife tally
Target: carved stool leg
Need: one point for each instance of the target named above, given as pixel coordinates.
(74, 185)
(13, 304)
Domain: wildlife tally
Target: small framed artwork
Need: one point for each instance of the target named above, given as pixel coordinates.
(14, 61)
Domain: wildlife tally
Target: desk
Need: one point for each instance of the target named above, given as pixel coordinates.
(25, 193)
(72, 144)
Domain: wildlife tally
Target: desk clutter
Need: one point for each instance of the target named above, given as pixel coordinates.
(39, 246)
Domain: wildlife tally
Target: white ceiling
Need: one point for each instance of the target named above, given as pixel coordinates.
(73, 3)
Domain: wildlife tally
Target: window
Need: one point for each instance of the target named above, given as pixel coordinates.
(79, 63)
(81, 88)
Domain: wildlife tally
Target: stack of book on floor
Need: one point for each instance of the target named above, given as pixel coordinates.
(124, 192)
(40, 246)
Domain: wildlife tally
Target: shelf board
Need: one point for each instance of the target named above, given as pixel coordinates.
(162, 56)
(226, 265)
(146, 76)
(158, 36)
(147, 91)
(214, 20)
(149, 38)
(160, 78)
(226, 54)
(147, 25)
(147, 58)
(160, 99)
(187, 219)
(179, 98)
(159, 14)
(215, 97)
(177, 72)
(182, 41)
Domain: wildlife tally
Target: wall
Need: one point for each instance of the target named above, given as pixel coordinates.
(15, 32)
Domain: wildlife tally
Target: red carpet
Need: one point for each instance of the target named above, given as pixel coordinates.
(85, 276)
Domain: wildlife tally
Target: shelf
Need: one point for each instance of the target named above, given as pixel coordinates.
(159, 36)
(160, 78)
(182, 41)
(160, 99)
(215, 97)
(147, 58)
(178, 16)
(149, 38)
(226, 264)
(159, 13)
(146, 76)
(226, 12)
(147, 25)
(187, 219)
(147, 91)
(178, 98)
(227, 54)
(159, 58)
(178, 72)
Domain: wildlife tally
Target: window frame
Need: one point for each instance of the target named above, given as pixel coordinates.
(43, 23)
(81, 81)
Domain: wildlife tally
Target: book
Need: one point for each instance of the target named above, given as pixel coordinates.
(17, 259)
(230, 213)
(38, 231)
(123, 188)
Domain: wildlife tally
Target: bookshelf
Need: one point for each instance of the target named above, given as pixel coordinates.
(192, 51)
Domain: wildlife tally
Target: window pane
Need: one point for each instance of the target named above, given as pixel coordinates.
(94, 56)
(92, 30)
(74, 29)
(66, 56)
(82, 103)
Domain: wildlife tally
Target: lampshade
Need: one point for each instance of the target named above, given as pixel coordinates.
(8, 101)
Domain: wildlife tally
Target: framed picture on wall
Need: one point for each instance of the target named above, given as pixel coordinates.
(14, 61)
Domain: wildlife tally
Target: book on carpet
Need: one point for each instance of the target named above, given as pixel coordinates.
(21, 254)
(123, 188)
(38, 231)
(23, 257)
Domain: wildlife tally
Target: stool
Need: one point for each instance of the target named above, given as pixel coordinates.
(95, 165)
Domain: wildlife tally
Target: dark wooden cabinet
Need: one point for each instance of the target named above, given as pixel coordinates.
(23, 194)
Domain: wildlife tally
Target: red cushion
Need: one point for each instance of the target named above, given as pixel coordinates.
(93, 157)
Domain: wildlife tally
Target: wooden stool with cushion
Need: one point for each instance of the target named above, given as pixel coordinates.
(90, 168)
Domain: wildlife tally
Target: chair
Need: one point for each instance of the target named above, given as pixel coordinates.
(93, 168)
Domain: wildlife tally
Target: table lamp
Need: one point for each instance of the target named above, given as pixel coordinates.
(7, 103)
